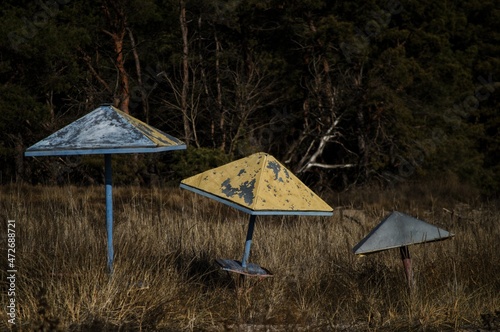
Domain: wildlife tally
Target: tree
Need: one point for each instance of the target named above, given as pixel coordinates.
(345, 93)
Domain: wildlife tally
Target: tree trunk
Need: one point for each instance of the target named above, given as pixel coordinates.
(142, 90)
(323, 93)
(115, 15)
(124, 93)
(362, 146)
(218, 100)
(185, 72)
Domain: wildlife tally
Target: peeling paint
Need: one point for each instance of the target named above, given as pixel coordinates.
(275, 167)
(258, 183)
(105, 130)
(245, 190)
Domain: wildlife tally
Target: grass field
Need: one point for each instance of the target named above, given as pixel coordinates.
(166, 241)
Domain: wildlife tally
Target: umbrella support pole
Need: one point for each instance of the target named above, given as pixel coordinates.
(405, 257)
(248, 242)
(109, 209)
(244, 267)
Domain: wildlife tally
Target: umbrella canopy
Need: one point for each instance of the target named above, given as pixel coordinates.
(106, 130)
(398, 230)
(258, 185)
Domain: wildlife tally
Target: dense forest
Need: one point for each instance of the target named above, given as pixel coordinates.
(345, 93)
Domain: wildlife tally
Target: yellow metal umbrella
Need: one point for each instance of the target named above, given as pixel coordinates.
(257, 185)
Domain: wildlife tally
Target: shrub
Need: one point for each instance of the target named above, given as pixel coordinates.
(196, 160)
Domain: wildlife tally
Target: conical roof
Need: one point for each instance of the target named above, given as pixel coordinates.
(258, 185)
(397, 230)
(105, 130)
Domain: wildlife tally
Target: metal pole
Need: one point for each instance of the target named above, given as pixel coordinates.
(109, 209)
(248, 242)
(405, 257)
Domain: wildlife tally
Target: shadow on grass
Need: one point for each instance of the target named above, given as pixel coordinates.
(202, 269)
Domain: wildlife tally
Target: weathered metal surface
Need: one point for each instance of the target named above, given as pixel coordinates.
(258, 185)
(106, 130)
(251, 270)
(108, 179)
(248, 241)
(397, 230)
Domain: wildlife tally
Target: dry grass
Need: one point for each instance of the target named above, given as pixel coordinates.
(166, 241)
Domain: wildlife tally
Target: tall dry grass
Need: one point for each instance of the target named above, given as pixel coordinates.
(165, 278)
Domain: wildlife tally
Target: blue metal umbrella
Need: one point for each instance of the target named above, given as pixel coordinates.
(107, 131)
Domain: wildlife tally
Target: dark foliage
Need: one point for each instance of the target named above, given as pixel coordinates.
(345, 93)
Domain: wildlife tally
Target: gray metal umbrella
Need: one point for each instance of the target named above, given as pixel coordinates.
(399, 230)
(107, 131)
